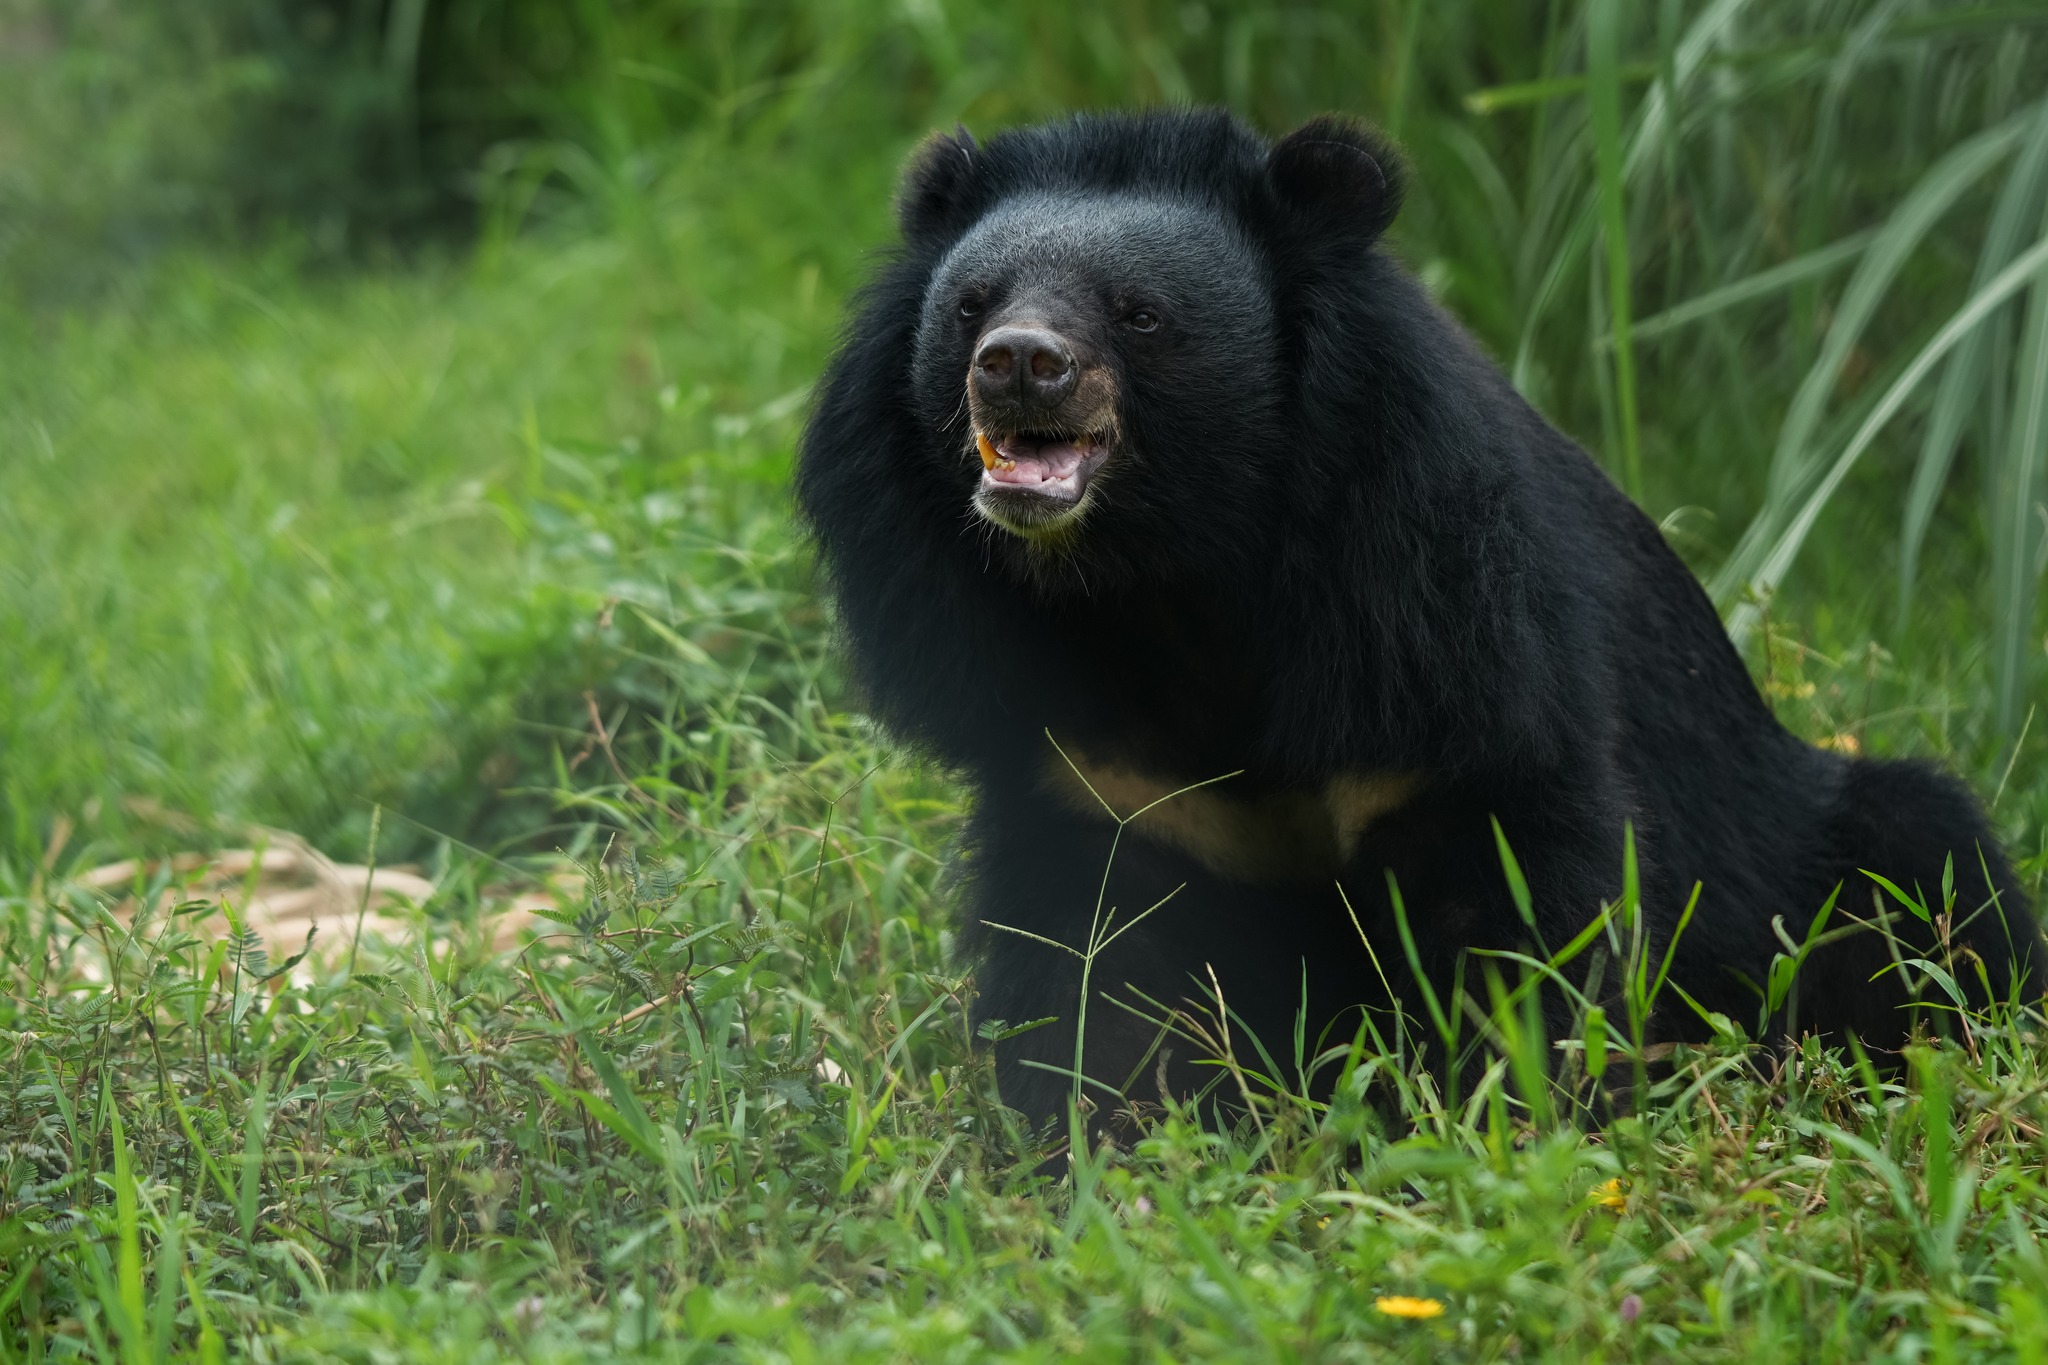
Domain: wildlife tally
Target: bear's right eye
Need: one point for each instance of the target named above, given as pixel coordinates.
(970, 308)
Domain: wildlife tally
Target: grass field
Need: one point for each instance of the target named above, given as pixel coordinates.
(465, 554)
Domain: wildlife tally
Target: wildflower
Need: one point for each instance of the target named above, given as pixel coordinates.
(1610, 1195)
(1631, 1307)
(1844, 743)
(1401, 1306)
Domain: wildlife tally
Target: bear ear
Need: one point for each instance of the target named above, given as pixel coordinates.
(936, 181)
(1339, 174)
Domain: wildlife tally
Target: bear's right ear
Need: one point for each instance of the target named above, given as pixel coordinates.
(1338, 174)
(936, 181)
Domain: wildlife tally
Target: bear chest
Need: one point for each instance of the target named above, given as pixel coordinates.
(1303, 835)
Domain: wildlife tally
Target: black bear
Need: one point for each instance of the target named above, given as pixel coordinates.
(1143, 463)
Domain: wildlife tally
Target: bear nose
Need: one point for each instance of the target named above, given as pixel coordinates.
(1028, 364)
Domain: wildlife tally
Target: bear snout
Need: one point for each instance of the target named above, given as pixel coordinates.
(1025, 371)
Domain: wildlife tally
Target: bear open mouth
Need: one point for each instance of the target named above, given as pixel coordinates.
(1038, 465)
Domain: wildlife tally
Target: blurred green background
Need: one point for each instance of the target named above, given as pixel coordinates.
(385, 384)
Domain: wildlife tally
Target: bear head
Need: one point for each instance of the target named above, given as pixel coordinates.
(1108, 306)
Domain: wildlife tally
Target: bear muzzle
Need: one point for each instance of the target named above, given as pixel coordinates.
(1033, 482)
(1044, 424)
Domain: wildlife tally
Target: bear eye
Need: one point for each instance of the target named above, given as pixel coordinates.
(970, 308)
(1143, 320)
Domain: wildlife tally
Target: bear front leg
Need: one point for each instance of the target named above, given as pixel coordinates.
(1153, 933)
(1443, 858)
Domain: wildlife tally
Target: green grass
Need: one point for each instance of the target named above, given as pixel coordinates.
(627, 1140)
(316, 539)
(282, 548)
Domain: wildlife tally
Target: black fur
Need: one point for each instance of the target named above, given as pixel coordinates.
(1331, 540)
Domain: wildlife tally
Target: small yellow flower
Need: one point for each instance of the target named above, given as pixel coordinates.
(1609, 1195)
(1844, 743)
(1401, 1306)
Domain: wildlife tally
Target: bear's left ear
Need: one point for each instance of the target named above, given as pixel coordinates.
(936, 181)
(1339, 173)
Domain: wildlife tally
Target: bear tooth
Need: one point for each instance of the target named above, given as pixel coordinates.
(988, 452)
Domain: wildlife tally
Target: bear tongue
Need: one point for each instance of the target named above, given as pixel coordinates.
(1034, 463)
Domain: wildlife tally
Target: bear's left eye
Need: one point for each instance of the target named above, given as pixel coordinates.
(1143, 320)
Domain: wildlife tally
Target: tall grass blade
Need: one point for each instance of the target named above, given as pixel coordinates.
(170, 1260)
(1963, 378)
(1402, 83)
(1444, 1026)
(128, 1242)
(625, 1115)
(2015, 559)
(1653, 123)
(248, 1196)
(1778, 559)
(1511, 868)
(1793, 461)
(1603, 44)
(1762, 284)
(1933, 1112)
